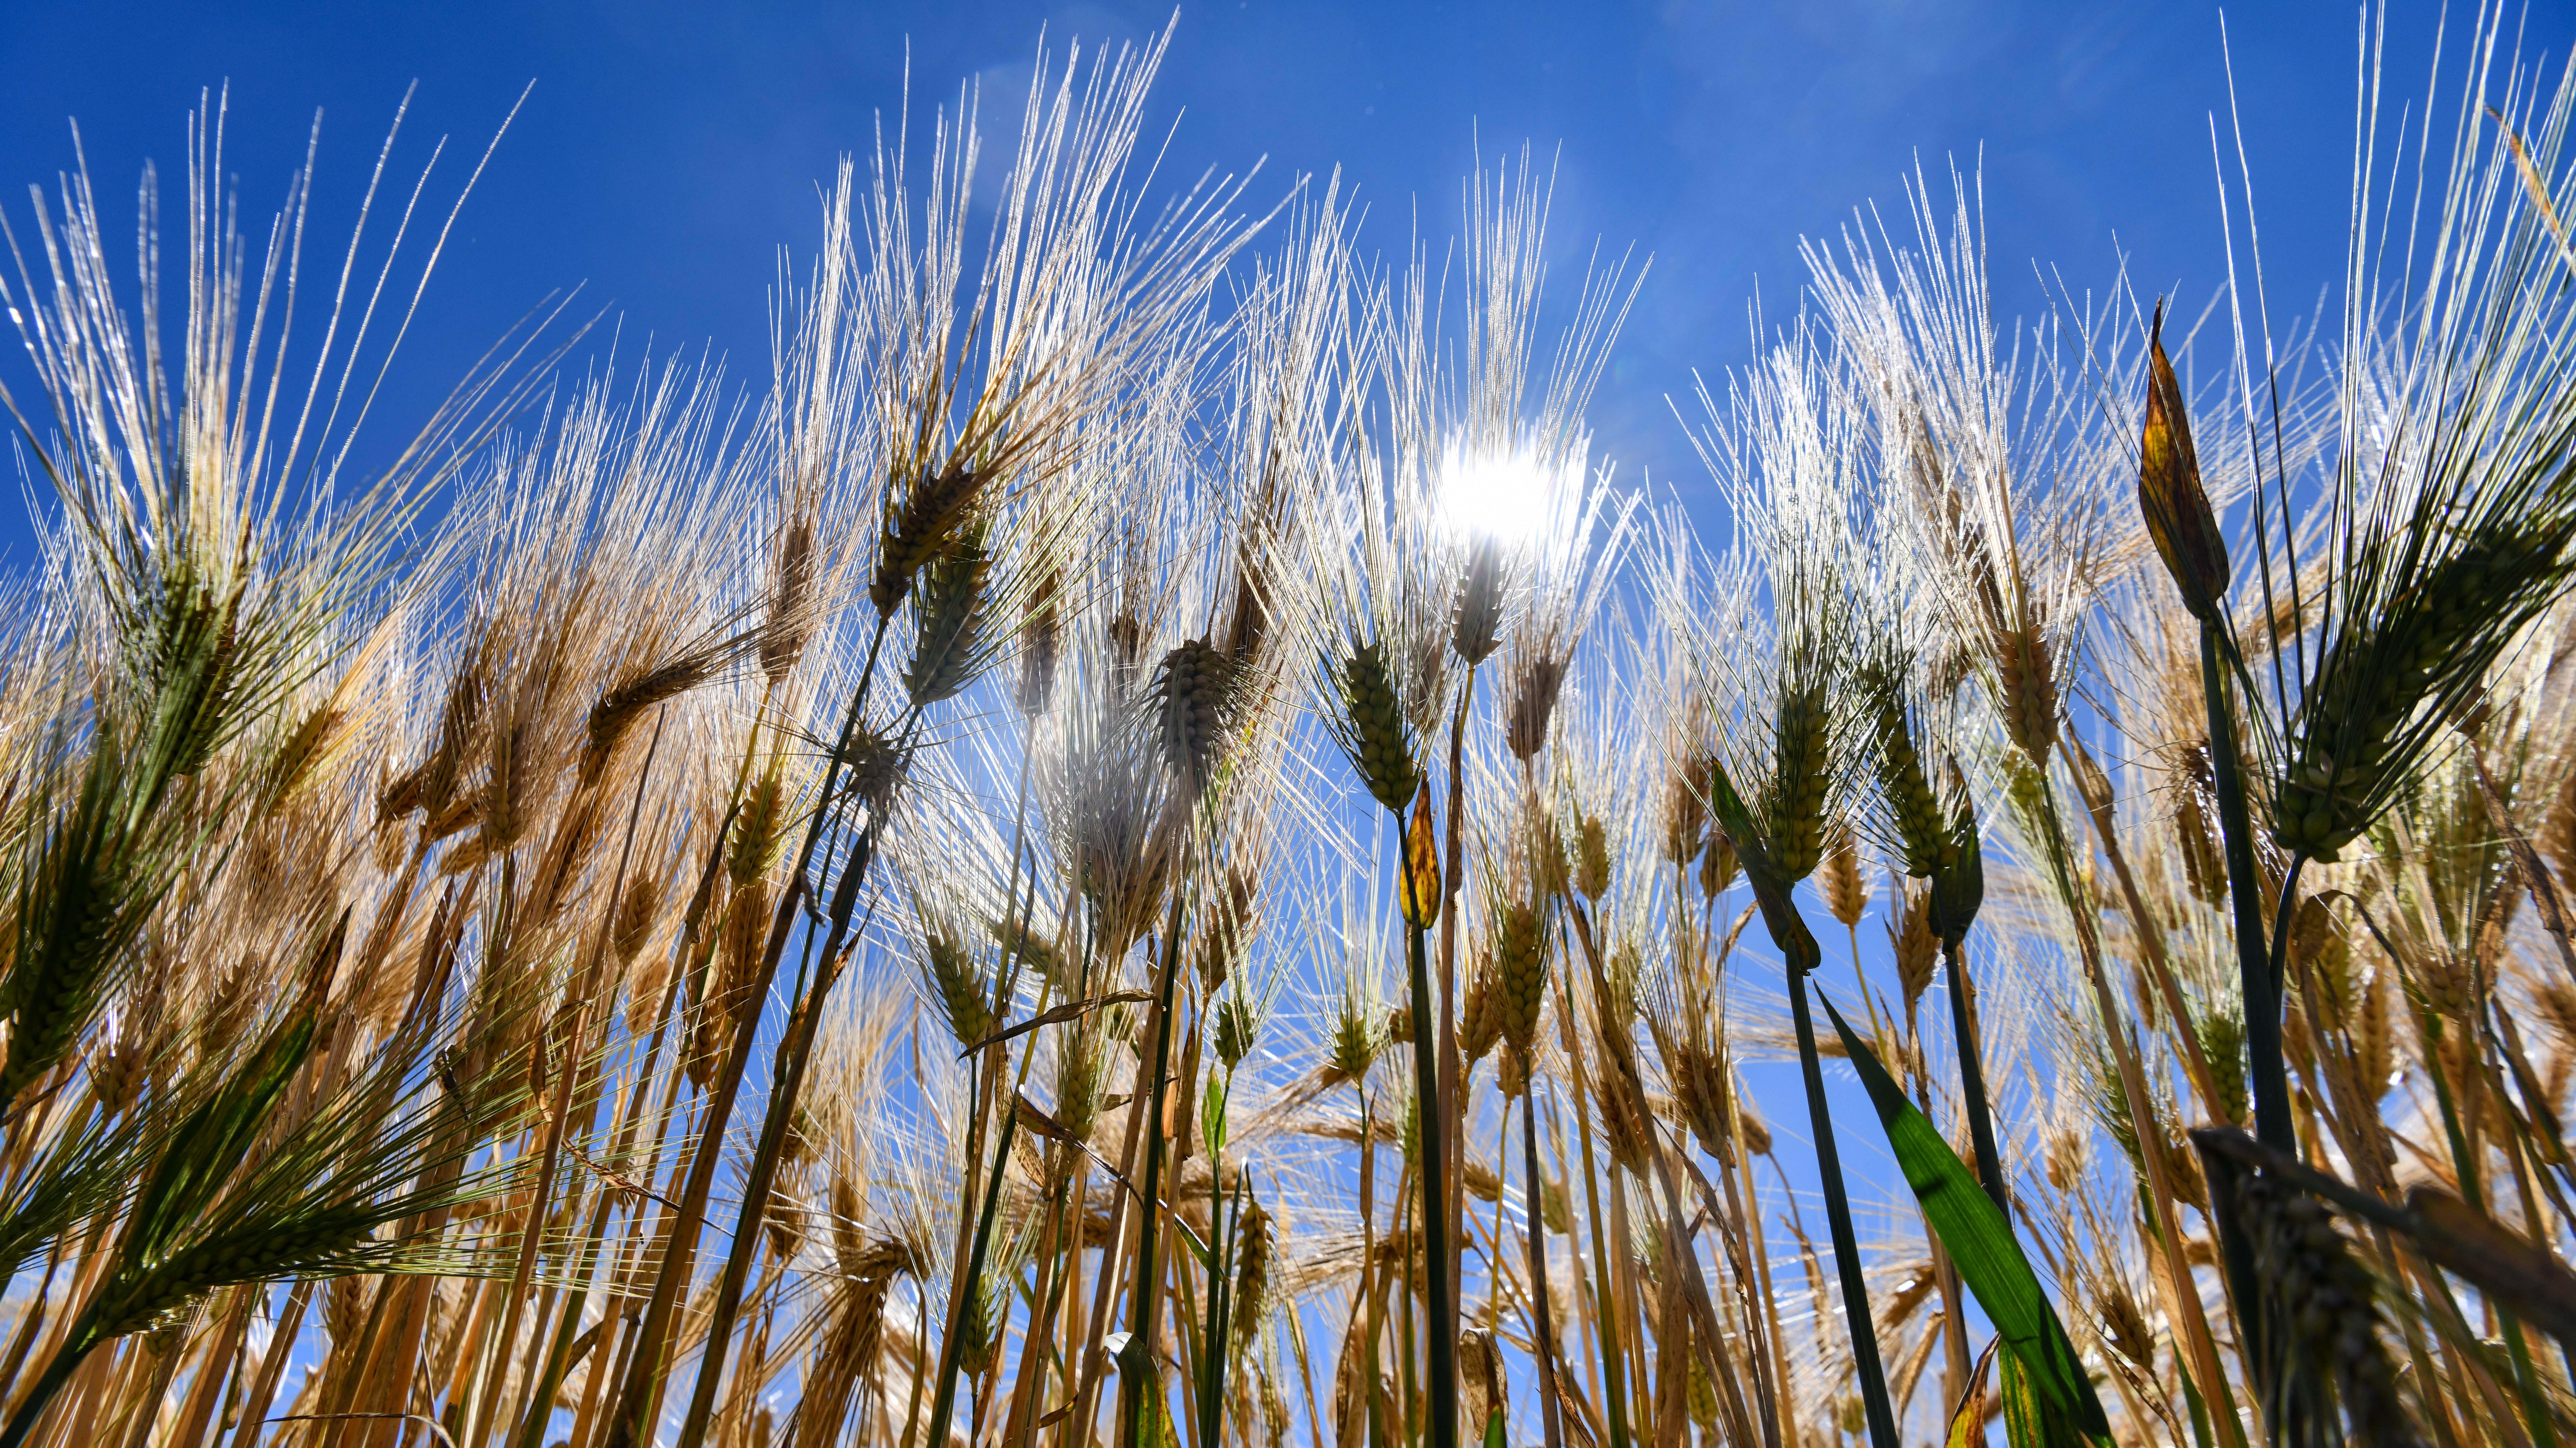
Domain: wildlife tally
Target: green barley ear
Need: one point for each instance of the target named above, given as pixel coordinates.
(920, 517)
(2170, 495)
(1794, 802)
(2222, 1044)
(2386, 681)
(189, 672)
(1193, 710)
(1897, 760)
(949, 643)
(2321, 1368)
(94, 863)
(958, 980)
(1358, 1030)
(1373, 731)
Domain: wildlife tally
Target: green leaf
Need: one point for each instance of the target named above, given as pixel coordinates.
(1494, 1430)
(1981, 1244)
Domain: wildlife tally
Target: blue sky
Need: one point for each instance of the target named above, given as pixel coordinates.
(667, 151)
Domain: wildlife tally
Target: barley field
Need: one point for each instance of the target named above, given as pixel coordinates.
(1142, 843)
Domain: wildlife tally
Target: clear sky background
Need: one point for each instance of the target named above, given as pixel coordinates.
(668, 150)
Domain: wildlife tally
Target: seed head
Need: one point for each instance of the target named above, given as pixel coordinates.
(1375, 734)
(2028, 669)
(923, 514)
(1686, 809)
(2222, 1044)
(2125, 1327)
(1476, 620)
(1482, 1382)
(1041, 646)
(1357, 1037)
(1796, 817)
(1230, 923)
(957, 978)
(1959, 889)
(2204, 868)
(1237, 1028)
(783, 637)
(873, 768)
(1480, 1015)
(1757, 1132)
(758, 831)
(1719, 866)
(1839, 876)
(1901, 779)
(1700, 1090)
(1252, 1272)
(2363, 721)
(2321, 1322)
(636, 915)
(1521, 950)
(949, 620)
(1193, 709)
(1916, 946)
(1536, 680)
(1591, 859)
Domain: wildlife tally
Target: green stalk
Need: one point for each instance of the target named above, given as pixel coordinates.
(1542, 1328)
(1441, 1347)
(2268, 1070)
(943, 1406)
(1148, 1295)
(2535, 1405)
(1614, 1385)
(1220, 1305)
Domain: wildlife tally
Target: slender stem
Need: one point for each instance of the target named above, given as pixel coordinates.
(2267, 1072)
(1543, 1326)
(66, 1361)
(1614, 1391)
(943, 1405)
(1140, 1366)
(1440, 1333)
(1864, 1333)
(639, 1400)
(1972, 1078)
(1445, 1309)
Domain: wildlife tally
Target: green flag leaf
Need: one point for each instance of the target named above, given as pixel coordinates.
(1981, 1244)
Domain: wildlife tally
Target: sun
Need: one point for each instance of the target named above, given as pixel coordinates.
(1503, 495)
